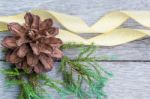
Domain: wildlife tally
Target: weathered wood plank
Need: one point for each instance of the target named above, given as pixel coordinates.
(90, 11)
(130, 81)
(136, 50)
(133, 51)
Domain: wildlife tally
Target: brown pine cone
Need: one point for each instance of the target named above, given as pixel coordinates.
(33, 46)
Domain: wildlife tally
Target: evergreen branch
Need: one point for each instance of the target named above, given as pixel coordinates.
(51, 83)
(87, 72)
(10, 72)
(71, 45)
(27, 89)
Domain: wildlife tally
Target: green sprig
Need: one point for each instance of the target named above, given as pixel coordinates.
(88, 73)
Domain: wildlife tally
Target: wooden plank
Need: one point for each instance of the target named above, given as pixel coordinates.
(130, 81)
(90, 11)
(136, 50)
(133, 51)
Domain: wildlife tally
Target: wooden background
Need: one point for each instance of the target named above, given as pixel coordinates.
(131, 62)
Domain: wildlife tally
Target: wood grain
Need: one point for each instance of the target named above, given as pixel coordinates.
(133, 51)
(131, 61)
(126, 82)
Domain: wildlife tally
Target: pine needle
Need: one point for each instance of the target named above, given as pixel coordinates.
(88, 71)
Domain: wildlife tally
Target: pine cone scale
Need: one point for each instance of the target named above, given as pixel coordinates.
(23, 50)
(9, 42)
(17, 29)
(46, 24)
(36, 22)
(46, 61)
(13, 57)
(44, 48)
(28, 20)
(32, 59)
(35, 48)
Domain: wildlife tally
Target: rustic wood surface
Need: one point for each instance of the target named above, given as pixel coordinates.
(130, 62)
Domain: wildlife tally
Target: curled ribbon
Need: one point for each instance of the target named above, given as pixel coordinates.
(108, 26)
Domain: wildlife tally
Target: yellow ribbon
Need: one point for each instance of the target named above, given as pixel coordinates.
(108, 26)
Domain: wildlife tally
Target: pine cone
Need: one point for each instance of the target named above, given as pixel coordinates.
(33, 46)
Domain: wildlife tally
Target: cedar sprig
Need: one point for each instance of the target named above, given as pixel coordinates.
(71, 45)
(86, 69)
(31, 85)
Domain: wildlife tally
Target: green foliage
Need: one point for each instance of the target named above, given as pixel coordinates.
(55, 84)
(10, 72)
(5, 50)
(71, 45)
(32, 85)
(19, 78)
(82, 77)
(88, 74)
